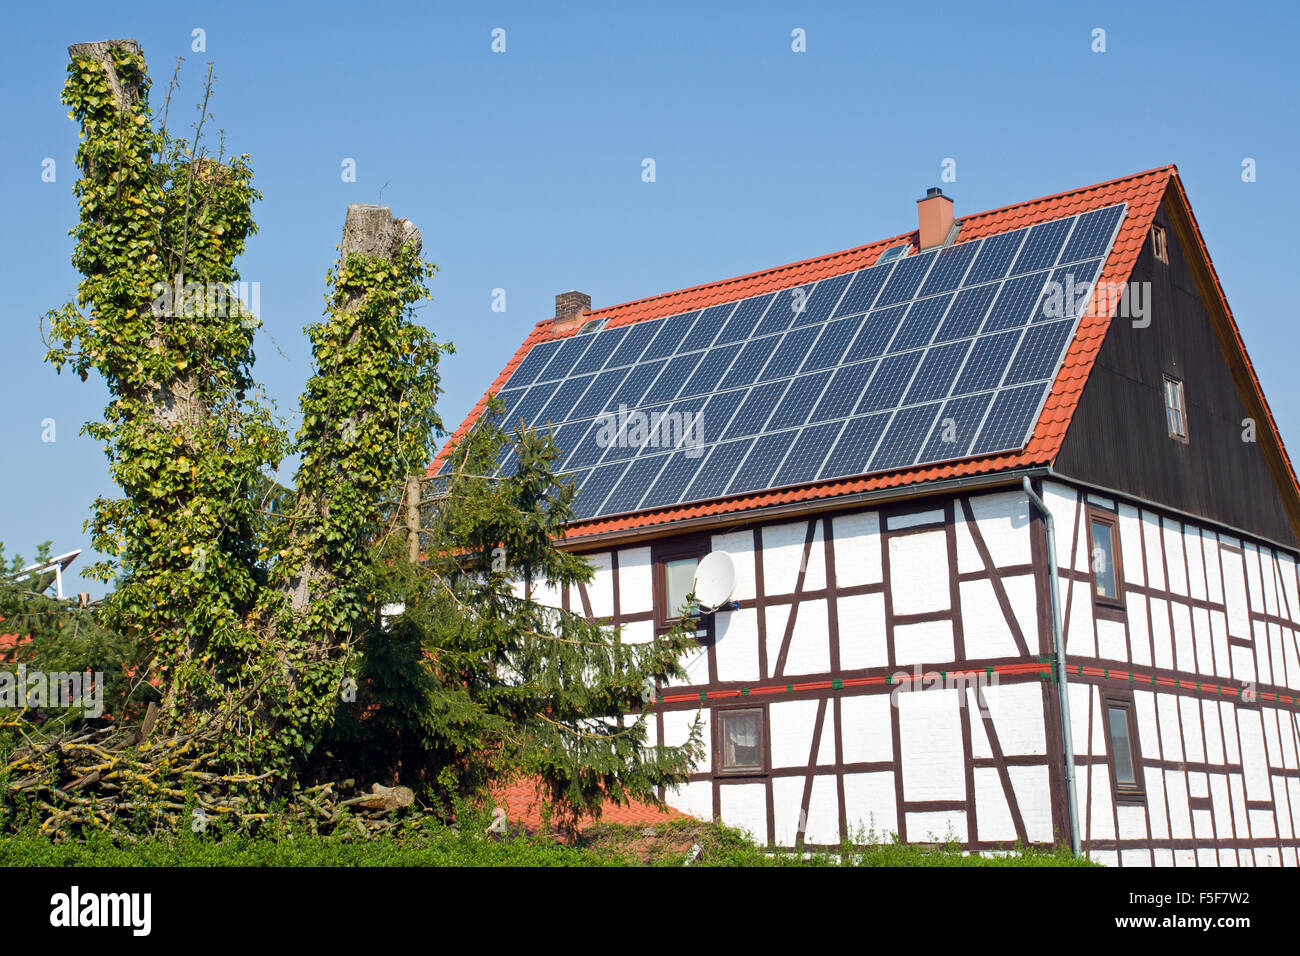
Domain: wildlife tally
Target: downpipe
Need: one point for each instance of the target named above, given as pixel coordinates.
(1058, 652)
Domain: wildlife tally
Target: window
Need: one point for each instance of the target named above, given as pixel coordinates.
(595, 325)
(740, 744)
(1175, 408)
(674, 578)
(1159, 247)
(679, 580)
(1124, 755)
(1103, 548)
(892, 253)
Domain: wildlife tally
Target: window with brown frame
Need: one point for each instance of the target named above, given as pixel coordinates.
(1122, 743)
(740, 740)
(1104, 558)
(1175, 408)
(674, 577)
(1159, 245)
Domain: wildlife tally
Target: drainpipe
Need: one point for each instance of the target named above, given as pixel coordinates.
(1058, 652)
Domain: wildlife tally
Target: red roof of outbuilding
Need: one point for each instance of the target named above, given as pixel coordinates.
(1143, 193)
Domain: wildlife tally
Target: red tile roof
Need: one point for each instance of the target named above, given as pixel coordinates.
(1143, 192)
(523, 805)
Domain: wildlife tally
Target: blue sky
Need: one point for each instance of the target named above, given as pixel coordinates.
(523, 168)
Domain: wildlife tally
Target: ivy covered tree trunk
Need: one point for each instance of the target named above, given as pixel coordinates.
(259, 606)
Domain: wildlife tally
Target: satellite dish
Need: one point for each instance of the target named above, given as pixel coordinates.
(715, 579)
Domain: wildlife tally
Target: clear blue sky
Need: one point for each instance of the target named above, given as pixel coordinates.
(523, 169)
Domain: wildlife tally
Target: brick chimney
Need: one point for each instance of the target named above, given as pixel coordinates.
(571, 309)
(934, 216)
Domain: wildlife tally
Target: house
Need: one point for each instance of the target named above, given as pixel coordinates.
(1013, 532)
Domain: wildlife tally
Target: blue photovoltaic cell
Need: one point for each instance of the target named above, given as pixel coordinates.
(636, 481)
(707, 327)
(717, 412)
(889, 382)
(601, 349)
(987, 362)
(634, 386)
(672, 480)
(907, 276)
(781, 313)
(633, 344)
(562, 402)
(593, 488)
(956, 427)
(842, 394)
(528, 370)
(937, 372)
(708, 374)
(904, 437)
(567, 436)
(830, 346)
(919, 324)
(807, 454)
(753, 356)
(1039, 353)
(509, 398)
(1013, 304)
(863, 290)
(967, 312)
(589, 450)
(949, 268)
(1042, 245)
(671, 333)
(1068, 291)
(799, 401)
(877, 329)
(715, 474)
(1092, 234)
(671, 379)
(566, 356)
(771, 391)
(823, 299)
(755, 409)
(760, 464)
(1008, 420)
(994, 257)
(789, 355)
(532, 403)
(743, 321)
(598, 398)
(852, 452)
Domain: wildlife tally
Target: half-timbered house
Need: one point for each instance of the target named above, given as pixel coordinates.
(1013, 529)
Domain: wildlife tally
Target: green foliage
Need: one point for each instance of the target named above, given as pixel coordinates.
(185, 443)
(477, 675)
(55, 638)
(430, 845)
(251, 602)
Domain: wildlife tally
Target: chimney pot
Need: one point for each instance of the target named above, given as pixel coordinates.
(934, 218)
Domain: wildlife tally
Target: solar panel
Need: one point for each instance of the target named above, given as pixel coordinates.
(928, 357)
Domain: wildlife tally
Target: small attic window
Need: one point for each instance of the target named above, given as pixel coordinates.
(1158, 244)
(892, 253)
(1175, 408)
(595, 325)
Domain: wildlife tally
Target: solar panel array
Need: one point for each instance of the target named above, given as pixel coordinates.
(937, 356)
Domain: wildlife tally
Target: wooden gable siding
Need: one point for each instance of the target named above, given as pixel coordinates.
(1119, 437)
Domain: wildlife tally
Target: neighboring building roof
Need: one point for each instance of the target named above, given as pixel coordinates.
(1141, 194)
(522, 804)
